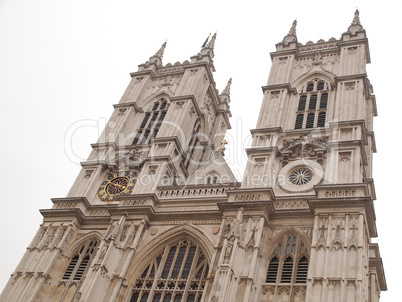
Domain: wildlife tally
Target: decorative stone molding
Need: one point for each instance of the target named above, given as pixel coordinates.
(99, 213)
(192, 192)
(88, 173)
(193, 72)
(345, 193)
(315, 47)
(247, 197)
(194, 208)
(66, 205)
(305, 146)
(169, 70)
(179, 105)
(291, 205)
(122, 111)
(133, 159)
(135, 202)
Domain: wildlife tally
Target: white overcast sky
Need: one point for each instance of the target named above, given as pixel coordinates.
(67, 62)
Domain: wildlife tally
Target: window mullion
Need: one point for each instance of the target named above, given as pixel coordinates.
(158, 273)
(169, 276)
(191, 273)
(78, 263)
(183, 264)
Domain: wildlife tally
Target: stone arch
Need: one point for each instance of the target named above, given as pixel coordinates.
(276, 240)
(148, 101)
(170, 236)
(146, 257)
(91, 235)
(324, 75)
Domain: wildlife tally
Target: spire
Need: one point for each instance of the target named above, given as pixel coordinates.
(355, 26)
(207, 51)
(292, 31)
(159, 53)
(211, 43)
(227, 88)
(291, 36)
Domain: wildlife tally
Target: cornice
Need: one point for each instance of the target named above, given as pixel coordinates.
(273, 130)
(279, 53)
(102, 146)
(128, 105)
(169, 139)
(286, 86)
(142, 72)
(93, 163)
(185, 98)
(377, 264)
(259, 150)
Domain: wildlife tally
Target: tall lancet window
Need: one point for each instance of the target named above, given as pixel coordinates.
(177, 273)
(151, 123)
(80, 261)
(312, 106)
(288, 263)
(192, 144)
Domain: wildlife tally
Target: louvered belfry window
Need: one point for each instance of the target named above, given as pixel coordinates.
(312, 106)
(178, 273)
(289, 262)
(151, 123)
(80, 261)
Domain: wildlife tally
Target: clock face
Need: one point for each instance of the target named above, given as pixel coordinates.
(116, 185)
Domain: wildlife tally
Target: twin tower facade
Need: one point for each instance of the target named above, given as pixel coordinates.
(157, 215)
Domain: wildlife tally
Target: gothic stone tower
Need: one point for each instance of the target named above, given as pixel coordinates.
(156, 214)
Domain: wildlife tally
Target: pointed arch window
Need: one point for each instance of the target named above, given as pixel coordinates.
(151, 123)
(80, 261)
(314, 92)
(289, 261)
(178, 273)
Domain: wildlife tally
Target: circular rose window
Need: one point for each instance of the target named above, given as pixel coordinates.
(300, 176)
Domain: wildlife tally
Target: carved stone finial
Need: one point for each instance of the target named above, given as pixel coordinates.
(356, 19)
(292, 31)
(227, 88)
(159, 53)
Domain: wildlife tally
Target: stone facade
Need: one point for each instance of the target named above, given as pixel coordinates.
(157, 215)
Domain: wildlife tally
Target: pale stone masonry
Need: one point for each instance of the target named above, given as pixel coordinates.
(156, 214)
